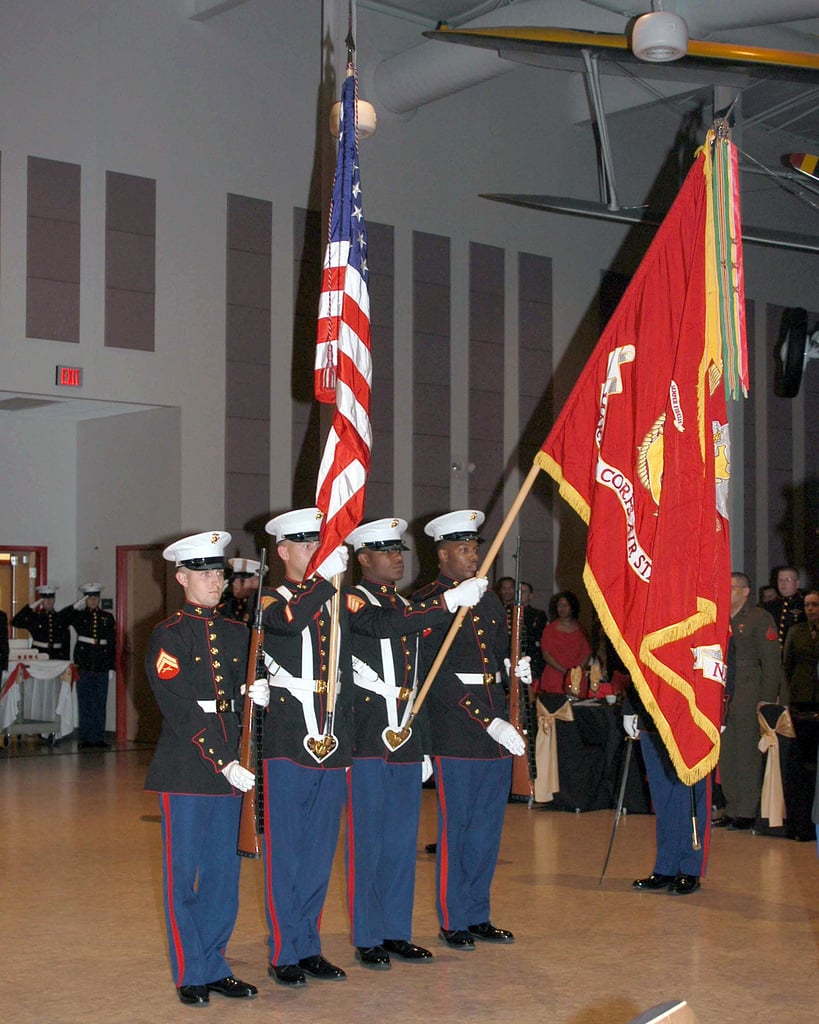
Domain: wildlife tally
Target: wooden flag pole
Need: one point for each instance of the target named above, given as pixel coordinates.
(489, 558)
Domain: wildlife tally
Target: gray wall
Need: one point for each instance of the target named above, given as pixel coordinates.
(232, 106)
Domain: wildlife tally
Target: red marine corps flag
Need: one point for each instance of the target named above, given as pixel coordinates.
(343, 366)
(641, 451)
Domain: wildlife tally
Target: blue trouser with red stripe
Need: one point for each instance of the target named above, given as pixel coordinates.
(201, 883)
(472, 797)
(302, 814)
(383, 806)
(92, 694)
(672, 807)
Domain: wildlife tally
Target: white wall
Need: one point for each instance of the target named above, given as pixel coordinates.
(128, 469)
(232, 105)
(37, 493)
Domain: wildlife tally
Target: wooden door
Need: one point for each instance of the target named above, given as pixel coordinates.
(146, 594)
(21, 569)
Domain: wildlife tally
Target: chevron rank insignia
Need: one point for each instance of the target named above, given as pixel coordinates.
(167, 665)
(354, 603)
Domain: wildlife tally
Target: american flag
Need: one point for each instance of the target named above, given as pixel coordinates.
(343, 370)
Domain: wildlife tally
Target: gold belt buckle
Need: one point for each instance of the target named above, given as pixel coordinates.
(404, 693)
(321, 686)
(222, 706)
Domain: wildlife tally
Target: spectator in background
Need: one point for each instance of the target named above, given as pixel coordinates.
(800, 659)
(564, 644)
(534, 619)
(240, 599)
(48, 628)
(4, 642)
(788, 608)
(766, 594)
(94, 656)
(757, 675)
(612, 671)
(815, 812)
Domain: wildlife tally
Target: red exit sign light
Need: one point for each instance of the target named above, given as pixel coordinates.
(69, 376)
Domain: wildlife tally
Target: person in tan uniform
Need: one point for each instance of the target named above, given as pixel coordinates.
(757, 668)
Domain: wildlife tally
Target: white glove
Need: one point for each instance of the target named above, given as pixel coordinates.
(523, 669)
(426, 769)
(79, 605)
(240, 778)
(507, 735)
(335, 564)
(466, 594)
(260, 693)
(630, 726)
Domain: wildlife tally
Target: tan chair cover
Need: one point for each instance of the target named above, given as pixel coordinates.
(547, 782)
(772, 803)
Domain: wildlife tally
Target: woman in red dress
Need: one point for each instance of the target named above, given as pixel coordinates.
(564, 644)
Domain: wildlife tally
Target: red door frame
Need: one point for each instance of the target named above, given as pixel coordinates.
(122, 552)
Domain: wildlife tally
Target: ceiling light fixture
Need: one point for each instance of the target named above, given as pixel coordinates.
(659, 36)
(365, 119)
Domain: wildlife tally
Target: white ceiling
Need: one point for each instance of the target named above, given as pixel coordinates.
(777, 113)
(780, 102)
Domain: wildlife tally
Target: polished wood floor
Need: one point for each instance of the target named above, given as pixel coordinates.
(83, 936)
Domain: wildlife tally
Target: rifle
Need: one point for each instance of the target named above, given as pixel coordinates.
(522, 712)
(251, 821)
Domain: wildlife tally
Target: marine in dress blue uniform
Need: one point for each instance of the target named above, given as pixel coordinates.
(95, 656)
(47, 627)
(303, 793)
(195, 664)
(305, 789)
(385, 781)
(678, 867)
(466, 706)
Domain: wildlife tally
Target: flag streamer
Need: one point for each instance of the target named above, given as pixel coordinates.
(725, 272)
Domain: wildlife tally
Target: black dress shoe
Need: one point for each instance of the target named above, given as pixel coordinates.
(287, 974)
(319, 967)
(741, 824)
(653, 883)
(721, 822)
(487, 932)
(375, 957)
(684, 885)
(193, 995)
(232, 988)
(407, 950)
(457, 939)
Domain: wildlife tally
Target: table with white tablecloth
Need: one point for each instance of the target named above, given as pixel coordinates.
(38, 697)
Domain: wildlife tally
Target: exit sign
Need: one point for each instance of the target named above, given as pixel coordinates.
(69, 376)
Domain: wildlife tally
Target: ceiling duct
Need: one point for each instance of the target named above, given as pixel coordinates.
(432, 70)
